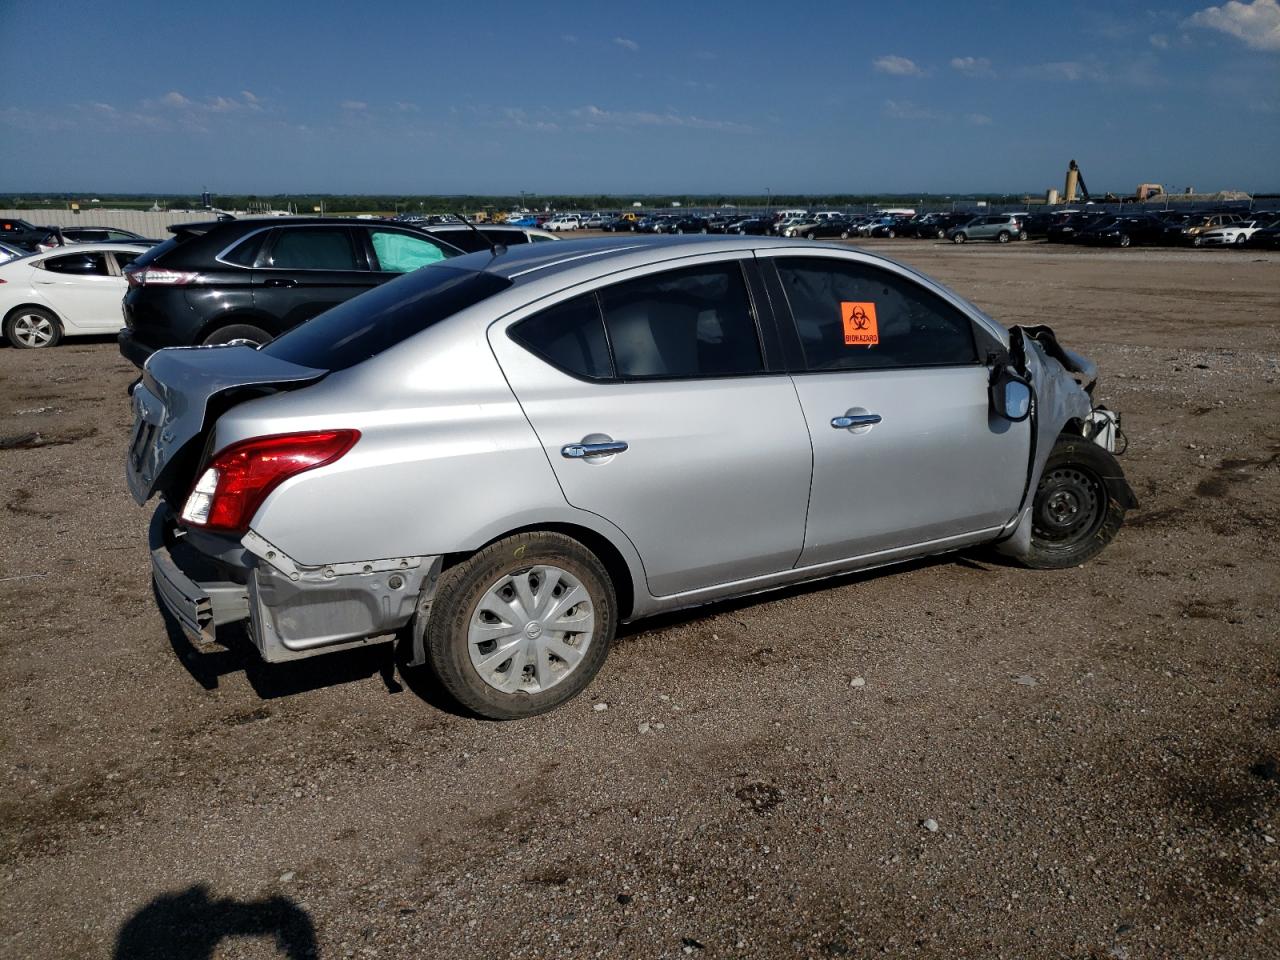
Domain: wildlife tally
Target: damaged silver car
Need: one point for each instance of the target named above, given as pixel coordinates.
(497, 460)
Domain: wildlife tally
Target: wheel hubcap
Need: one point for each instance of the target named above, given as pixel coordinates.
(531, 630)
(33, 330)
(1069, 507)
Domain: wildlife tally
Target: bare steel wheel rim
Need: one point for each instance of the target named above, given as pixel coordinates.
(531, 630)
(33, 329)
(1070, 506)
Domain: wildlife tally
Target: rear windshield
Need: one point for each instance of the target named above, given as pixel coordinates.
(366, 325)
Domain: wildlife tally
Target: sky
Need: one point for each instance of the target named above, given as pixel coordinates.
(703, 97)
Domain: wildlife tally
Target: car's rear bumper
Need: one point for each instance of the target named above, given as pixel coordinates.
(132, 349)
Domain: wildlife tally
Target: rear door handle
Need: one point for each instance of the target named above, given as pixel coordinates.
(855, 420)
(280, 282)
(580, 451)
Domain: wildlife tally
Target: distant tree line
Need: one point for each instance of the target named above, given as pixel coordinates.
(337, 203)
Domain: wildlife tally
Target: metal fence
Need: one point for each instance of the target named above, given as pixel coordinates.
(146, 222)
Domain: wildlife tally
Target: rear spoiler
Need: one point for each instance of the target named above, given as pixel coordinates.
(186, 231)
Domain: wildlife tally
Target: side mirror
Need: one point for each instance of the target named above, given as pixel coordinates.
(1011, 395)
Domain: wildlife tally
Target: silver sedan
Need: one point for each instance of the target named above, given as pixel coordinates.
(498, 459)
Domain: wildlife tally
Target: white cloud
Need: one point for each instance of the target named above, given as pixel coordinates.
(595, 116)
(898, 66)
(1159, 40)
(978, 119)
(249, 96)
(626, 44)
(353, 105)
(568, 38)
(1071, 70)
(1257, 24)
(973, 66)
(906, 110)
(174, 99)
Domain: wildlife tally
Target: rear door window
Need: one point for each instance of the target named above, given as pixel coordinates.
(569, 336)
(853, 316)
(693, 322)
(401, 253)
(81, 264)
(313, 248)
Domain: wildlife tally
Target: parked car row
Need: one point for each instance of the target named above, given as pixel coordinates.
(30, 238)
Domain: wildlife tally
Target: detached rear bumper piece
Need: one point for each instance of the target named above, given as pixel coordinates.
(199, 606)
(291, 611)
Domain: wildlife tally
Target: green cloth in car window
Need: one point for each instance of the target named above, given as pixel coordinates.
(398, 253)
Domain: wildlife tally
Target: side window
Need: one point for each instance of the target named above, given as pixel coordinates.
(125, 257)
(401, 253)
(81, 264)
(852, 316)
(468, 241)
(570, 336)
(119, 236)
(245, 253)
(313, 248)
(695, 322)
(508, 238)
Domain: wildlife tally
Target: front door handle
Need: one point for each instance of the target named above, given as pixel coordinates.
(281, 282)
(581, 451)
(855, 420)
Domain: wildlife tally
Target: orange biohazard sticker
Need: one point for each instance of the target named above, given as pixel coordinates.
(859, 324)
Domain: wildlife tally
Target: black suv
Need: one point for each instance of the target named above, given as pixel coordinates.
(248, 281)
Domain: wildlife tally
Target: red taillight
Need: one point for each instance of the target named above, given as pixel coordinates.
(156, 277)
(240, 477)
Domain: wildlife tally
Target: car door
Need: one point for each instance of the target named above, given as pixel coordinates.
(658, 411)
(84, 289)
(306, 269)
(892, 379)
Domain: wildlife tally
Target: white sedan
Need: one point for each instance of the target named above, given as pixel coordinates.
(1229, 234)
(69, 292)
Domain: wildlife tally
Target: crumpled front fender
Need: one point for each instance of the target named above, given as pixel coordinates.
(1061, 380)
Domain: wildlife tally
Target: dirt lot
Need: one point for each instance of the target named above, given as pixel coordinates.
(1098, 747)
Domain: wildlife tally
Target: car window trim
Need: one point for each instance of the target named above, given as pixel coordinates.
(985, 352)
(269, 243)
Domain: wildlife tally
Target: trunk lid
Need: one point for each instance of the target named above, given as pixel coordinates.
(175, 404)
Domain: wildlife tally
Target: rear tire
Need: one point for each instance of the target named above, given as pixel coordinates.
(844, 234)
(1073, 515)
(1124, 240)
(457, 617)
(32, 328)
(238, 333)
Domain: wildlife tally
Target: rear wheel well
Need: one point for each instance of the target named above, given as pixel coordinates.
(31, 306)
(609, 555)
(269, 324)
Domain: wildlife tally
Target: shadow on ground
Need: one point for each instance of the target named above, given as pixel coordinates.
(190, 926)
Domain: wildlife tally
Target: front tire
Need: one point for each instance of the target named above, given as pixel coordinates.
(959, 238)
(1002, 237)
(33, 328)
(1124, 240)
(1074, 514)
(522, 626)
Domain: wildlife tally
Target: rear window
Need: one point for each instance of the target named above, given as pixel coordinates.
(366, 325)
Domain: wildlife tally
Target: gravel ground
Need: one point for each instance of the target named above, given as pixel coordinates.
(951, 758)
